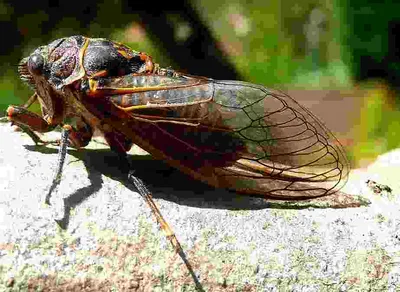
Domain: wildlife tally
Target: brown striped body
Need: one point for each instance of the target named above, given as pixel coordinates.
(228, 134)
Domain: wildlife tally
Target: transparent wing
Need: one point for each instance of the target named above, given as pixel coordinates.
(233, 135)
(289, 152)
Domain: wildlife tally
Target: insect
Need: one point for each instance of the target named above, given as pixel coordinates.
(378, 188)
(228, 134)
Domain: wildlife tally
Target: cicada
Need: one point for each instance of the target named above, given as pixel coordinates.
(228, 134)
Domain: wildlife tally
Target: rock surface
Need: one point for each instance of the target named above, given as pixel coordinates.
(105, 236)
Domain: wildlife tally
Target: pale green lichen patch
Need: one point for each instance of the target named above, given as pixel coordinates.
(314, 239)
(87, 212)
(315, 225)
(274, 265)
(303, 270)
(118, 262)
(304, 265)
(288, 215)
(239, 212)
(380, 218)
(367, 268)
(220, 268)
(266, 225)
(47, 243)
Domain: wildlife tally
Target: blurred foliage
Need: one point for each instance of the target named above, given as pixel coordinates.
(279, 44)
(377, 129)
(267, 41)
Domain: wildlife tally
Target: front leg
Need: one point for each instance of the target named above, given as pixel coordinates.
(80, 134)
(29, 122)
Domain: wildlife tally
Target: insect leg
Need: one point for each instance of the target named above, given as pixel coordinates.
(31, 100)
(146, 195)
(62, 152)
(20, 115)
(29, 122)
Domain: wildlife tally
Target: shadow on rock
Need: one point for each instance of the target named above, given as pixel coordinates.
(170, 184)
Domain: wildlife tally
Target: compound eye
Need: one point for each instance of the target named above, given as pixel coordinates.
(36, 64)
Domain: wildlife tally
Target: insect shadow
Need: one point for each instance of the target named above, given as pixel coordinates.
(165, 183)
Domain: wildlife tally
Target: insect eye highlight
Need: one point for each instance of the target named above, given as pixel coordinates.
(36, 64)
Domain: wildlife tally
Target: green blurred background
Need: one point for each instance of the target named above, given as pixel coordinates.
(338, 58)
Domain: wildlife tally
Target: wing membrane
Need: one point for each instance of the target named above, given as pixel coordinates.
(232, 134)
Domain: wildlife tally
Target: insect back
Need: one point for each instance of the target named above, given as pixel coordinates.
(105, 58)
(60, 73)
(66, 60)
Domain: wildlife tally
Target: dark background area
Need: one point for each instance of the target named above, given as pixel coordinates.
(373, 46)
(39, 19)
(349, 50)
(374, 41)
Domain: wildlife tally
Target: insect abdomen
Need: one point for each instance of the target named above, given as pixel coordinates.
(162, 91)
